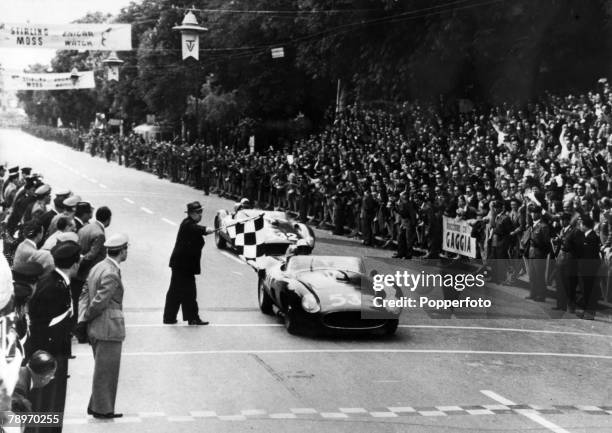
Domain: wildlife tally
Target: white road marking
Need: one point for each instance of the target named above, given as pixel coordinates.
(128, 200)
(303, 410)
(214, 325)
(236, 272)
(166, 220)
(102, 186)
(528, 413)
(484, 328)
(363, 351)
(234, 258)
(93, 180)
(144, 209)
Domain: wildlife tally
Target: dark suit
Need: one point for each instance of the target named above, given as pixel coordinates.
(407, 231)
(539, 247)
(590, 262)
(50, 310)
(185, 264)
(502, 227)
(571, 241)
(46, 219)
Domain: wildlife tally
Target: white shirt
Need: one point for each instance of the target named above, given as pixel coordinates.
(63, 275)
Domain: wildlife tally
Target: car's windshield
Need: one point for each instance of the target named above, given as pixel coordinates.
(313, 263)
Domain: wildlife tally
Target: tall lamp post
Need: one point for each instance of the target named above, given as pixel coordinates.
(190, 31)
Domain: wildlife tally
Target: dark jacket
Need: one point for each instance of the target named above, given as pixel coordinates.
(590, 260)
(187, 251)
(51, 300)
(539, 240)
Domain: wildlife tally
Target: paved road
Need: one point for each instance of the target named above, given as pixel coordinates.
(518, 371)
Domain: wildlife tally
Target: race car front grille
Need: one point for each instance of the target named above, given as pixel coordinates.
(351, 320)
(276, 249)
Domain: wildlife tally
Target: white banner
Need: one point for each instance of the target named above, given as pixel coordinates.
(56, 81)
(96, 37)
(457, 237)
(191, 45)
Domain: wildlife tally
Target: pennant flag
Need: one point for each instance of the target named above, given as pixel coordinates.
(191, 45)
(94, 37)
(58, 81)
(248, 238)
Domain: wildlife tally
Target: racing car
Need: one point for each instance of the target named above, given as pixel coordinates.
(280, 231)
(324, 294)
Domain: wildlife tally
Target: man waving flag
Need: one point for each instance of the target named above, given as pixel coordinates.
(248, 238)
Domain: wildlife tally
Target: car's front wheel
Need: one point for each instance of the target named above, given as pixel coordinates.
(291, 323)
(391, 327)
(219, 241)
(264, 300)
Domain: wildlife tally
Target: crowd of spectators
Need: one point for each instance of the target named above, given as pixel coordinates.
(391, 174)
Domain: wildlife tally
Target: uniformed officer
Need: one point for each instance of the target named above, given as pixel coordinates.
(500, 243)
(50, 310)
(39, 207)
(102, 303)
(185, 264)
(69, 209)
(569, 244)
(590, 262)
(539, 247)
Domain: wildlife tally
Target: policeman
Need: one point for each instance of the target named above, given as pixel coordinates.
(539, 247)
(569, 243)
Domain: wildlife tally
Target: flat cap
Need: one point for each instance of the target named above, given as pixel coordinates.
(116, 242)
(42, 190)
(72, 201)
(26, 170)
(84, 207)
(27, 272)
(14, 170)
(66, 254)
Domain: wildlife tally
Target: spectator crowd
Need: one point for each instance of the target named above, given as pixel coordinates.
(57, 256)
(390, 175)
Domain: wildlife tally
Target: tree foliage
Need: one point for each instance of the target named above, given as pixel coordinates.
(489, 50)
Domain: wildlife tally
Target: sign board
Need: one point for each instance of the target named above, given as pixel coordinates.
(277, 53)
(456, 237)
(55, 81)
(95, 37)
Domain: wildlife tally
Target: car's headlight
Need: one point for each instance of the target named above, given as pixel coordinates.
(310, 304)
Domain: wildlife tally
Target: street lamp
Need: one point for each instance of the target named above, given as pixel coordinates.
(112, 64)
(190, 35)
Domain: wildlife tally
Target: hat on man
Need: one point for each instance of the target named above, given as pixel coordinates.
(63, 193)
(14, 170)
(42, 191)
(65, 254)
(27, 272)
(26, 170)
(71, 201)
(84, 207)
(116, 242)
(194, 207)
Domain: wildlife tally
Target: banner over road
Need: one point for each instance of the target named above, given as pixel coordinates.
(59, 81)
(96, 37)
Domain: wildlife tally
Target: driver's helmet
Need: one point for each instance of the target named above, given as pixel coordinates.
(245, 203)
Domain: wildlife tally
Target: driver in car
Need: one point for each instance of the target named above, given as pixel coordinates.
(244, 203)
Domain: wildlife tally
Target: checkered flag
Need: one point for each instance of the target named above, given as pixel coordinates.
(248, 237)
